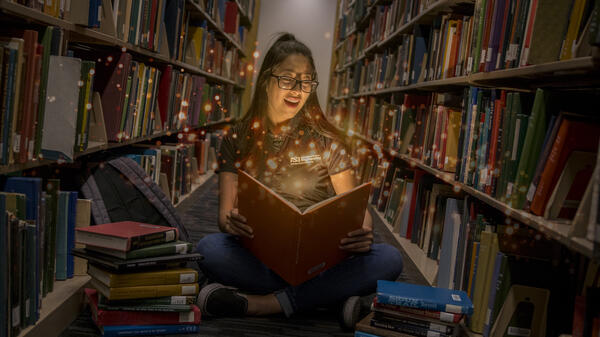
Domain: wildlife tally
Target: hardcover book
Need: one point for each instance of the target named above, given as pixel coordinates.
(126, 235)
(115, 264)
(298, 245)
(148, 278)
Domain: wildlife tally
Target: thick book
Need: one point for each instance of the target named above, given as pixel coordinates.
(147, 302)
(147, 330)
(364, 326)
(148, 278)
(169, 248)
(396, 310)
(106, 317)
(126, 235)
(423, 297)
(299, 245)
(125, 293)
(114, 264)
(407, 326)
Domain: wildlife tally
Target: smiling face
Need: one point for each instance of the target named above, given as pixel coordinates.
(284, 104)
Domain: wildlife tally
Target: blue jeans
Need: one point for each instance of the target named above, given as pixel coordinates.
(226, 261)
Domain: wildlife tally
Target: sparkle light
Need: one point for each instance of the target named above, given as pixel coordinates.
(255, 54)
(256, 125)
(272, 164)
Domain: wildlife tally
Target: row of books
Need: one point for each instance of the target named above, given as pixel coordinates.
(141, 279)
(38, 227)
(226, 15)
(498, 35)
(153, 100)
(158, 25)
(495, 260)
(520, 148)
(403, 309)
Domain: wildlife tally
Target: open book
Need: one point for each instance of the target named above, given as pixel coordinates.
(298, 245)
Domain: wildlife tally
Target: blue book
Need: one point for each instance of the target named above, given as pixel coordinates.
(363, 334)
(423, 297)
(72, 213)
(62, 225)
(145, 330)
(452, 222)
(32, 188)
(4, 272)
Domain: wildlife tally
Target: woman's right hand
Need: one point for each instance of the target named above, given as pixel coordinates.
(236, 224)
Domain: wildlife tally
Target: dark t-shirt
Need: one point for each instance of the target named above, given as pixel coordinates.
(296, 165)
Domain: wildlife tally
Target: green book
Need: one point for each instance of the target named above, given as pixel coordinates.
(481, 5)
(534, 138)
(46, 43)
(169, 248)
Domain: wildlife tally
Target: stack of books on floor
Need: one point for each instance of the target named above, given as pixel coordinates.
(141, 284)
(403, 309)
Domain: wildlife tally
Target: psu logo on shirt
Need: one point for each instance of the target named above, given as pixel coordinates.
(304, 160)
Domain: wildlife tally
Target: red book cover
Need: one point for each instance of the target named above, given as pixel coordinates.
(443, 316)
(125, 235)
(111, 81)
(413, 202)
(26, 127)
(454, 51)
(164, 97)
(152, 28)
(231, 14)
(527, 39)
(498, 106)
(36, 98)
(571, 136)
(118, 317)
(486, 34)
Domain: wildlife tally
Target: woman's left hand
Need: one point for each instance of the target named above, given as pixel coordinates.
(358, 241)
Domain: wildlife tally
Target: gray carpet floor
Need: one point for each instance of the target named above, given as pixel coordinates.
(199, 214)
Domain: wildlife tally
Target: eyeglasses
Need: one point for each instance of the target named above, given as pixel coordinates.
(289, 83)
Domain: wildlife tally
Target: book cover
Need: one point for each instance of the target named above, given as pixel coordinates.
(423, 297)
(168, 248)
(115, 264)
(148, 278)
(290, 250)
(110, 318)
(411, 326)
(124, 293)
(126, 235)
(147, 330)
(428, 315)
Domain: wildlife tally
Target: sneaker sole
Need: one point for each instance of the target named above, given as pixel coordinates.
(351, 311)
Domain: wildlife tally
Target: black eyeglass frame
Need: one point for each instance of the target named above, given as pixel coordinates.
(313, 86)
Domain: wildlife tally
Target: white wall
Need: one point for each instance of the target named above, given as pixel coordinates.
(311, 21)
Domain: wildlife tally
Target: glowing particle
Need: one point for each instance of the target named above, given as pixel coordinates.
(256, 125)
(272, 164)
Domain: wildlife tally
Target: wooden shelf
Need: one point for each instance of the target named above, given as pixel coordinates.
(426, 266)
(557, 230)
(59, 308)
(212, 24)
(198, 184)
(5, 169)
(87, 35)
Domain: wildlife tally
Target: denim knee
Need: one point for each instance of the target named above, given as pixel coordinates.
(388, 262)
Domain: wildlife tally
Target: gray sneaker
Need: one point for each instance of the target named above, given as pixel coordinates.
(217, 300)
(354, 309)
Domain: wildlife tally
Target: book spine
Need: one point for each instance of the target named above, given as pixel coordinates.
(146, 330)
(105, 317)
(390, 299)
(152, 239)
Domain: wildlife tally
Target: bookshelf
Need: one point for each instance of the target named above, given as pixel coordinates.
(376, 45)
(64, 303)
(88, 35)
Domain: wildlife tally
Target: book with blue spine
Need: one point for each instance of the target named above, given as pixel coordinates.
(423, 297)
(144, 330)
(72, 213)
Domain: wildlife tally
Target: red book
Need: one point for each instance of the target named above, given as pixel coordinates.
(496, 122)
(489, 12)
(571, 136)
(392, 310)
(231, 17)
(413, 203)
(164, 97)
(125, 235)
(527, 38)
(152, 29)
(118, 317)
(30, 37)
(111, 81)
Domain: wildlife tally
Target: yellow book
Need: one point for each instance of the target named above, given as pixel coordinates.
(573, 28)
(196, 36)
(452, 135)
(125, 293)
(480, 280)
(485, 296)
(472, 268)
(149, 98)
(149, 278)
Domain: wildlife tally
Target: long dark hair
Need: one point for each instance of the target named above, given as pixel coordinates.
(311, 113)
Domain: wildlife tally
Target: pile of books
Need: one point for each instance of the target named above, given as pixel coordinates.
(141, 284)
(403, 309)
